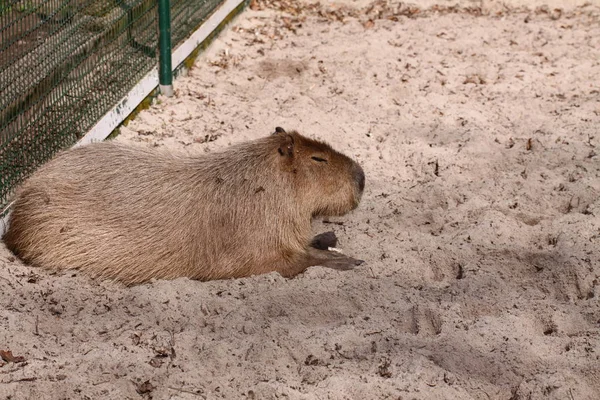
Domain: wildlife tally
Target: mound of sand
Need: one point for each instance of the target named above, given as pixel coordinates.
(477, 127)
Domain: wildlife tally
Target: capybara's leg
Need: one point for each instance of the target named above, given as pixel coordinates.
(324, 258)
(324, 241)
(332, 259)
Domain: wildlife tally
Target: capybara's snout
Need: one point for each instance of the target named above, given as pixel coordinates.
(359, 177)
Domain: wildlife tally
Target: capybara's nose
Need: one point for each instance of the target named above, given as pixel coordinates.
(359, 177)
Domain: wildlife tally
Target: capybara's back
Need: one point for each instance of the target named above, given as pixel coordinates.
(106, 209)
(132, 214)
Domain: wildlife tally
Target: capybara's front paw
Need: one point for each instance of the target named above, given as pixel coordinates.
(344, 264)
(333, 259)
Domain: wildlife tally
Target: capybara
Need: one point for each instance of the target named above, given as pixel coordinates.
(130, 214)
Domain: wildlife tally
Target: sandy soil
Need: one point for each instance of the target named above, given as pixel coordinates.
(480, 225)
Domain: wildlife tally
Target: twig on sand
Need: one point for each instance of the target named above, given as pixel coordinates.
(9, 282)
(187, 391)
(30, 379)
(172, 344)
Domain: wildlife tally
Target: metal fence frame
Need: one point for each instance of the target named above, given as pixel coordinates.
(150, 85)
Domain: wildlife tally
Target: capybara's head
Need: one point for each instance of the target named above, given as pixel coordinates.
(328, 182)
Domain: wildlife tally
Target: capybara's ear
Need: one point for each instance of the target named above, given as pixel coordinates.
(279, 130)
(286, 148)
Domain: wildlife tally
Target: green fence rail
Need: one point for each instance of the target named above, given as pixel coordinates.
(65, 63)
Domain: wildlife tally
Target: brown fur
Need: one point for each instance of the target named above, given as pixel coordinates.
(132, 214)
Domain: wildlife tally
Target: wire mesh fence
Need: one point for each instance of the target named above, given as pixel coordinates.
(65, 63)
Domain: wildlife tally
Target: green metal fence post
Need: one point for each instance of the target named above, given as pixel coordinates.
(165, 70)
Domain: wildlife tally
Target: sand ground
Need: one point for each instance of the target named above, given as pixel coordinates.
(477, 127)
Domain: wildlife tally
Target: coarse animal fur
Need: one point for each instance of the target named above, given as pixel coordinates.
(130, 214)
